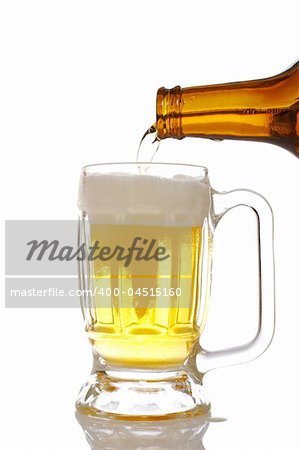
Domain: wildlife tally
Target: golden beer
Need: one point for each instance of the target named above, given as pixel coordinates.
(145, 306)
(150, 319)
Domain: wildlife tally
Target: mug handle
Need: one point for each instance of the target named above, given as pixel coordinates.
(222, 203)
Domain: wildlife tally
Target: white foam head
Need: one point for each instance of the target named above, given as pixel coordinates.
(121, 198)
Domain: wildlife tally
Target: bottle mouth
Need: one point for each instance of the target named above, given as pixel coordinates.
(168, 111)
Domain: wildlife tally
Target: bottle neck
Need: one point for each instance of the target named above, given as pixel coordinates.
(169, 113)
(261, 110)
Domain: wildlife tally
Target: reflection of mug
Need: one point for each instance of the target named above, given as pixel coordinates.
(147, 231)
(115, 434)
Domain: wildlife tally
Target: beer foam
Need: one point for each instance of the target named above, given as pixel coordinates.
(121, 198)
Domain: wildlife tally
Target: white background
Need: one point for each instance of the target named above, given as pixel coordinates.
(79, 80)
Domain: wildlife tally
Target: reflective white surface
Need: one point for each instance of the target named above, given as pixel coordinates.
(110, 434)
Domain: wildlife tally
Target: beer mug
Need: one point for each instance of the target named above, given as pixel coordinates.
(147, 230)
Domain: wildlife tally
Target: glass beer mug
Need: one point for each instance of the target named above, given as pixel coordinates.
(146, 278)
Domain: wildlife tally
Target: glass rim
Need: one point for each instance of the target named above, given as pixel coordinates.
(142, 163)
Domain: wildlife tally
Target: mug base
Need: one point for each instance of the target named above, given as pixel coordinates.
(142, 395)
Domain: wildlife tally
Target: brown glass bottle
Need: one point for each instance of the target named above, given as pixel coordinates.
(261, 110)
